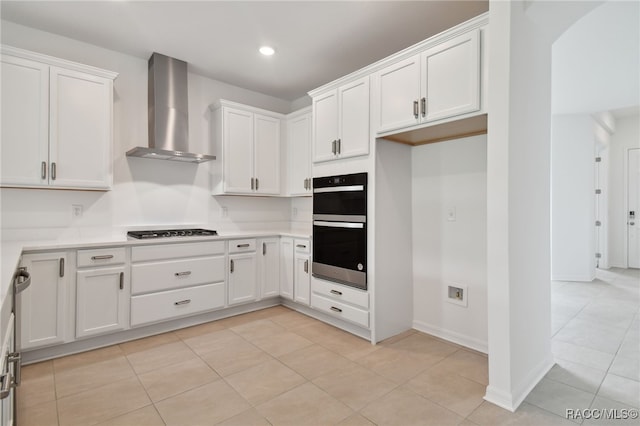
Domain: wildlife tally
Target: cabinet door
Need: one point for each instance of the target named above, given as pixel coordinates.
(299, 143)
(325, 126)
(267, 154)
(269, 267)
(396, 88)
(101, 301)
(43, 305)
(80, 130)
(25, 122)
(451, 77)
(354, 118)
(242, 278)
(302, 278)
(238, 150)
(286, 267)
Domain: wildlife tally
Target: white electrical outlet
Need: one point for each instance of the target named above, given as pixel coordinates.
(76, 210)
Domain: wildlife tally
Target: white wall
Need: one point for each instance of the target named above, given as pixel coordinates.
(518, 203)
(596, 62)
(451, 174)
(626, 136)
(572, 198)
(145, 192)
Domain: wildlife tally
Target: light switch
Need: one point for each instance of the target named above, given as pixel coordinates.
(451, 214)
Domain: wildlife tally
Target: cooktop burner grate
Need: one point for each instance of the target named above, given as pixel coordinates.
(168, 233)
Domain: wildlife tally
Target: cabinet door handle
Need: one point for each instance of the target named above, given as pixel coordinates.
(257, 184)
(423, 106)
(103, 257)
(231, 267)
(121, 280)
(305, 184)
(182, 274)
(334, 309)
(333, 147)
(339, 146)
(53, 171)
(61, 271)
(264, 249)
(182, 302)
(243, 245)
(44, 170)
(415, 109)
(306, 266)
(336, 292)
(15, 358)
(253, 183)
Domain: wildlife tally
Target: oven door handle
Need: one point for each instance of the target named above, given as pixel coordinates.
(354, 225)
(351, 188)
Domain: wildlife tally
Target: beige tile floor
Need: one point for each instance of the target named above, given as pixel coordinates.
(279, 367)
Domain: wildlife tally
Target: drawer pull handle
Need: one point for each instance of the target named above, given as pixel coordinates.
(334, 309)
(306, 266)
(243, 245)
(182, 274)
(182, 302)
(301, 246)
(104, 257)
(336, 292)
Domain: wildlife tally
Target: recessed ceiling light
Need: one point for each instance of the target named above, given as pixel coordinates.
(267, 50)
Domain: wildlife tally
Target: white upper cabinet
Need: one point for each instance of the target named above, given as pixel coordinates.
(450, 82)
(341, 122)
(441, 82)
(57, 120)
(299, 150)
(247, 149)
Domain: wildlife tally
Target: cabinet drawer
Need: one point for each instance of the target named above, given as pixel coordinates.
(341, 293)
(101, 257)
(301, 246)
(340, 310)
(158, 276)
(172, 251)
(166, 305)
(239, 246)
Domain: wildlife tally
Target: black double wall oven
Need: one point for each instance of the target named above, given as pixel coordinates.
(340, 229)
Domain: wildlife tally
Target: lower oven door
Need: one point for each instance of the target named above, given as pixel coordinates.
(340, 252)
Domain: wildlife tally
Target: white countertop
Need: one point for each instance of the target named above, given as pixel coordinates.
(11, 251)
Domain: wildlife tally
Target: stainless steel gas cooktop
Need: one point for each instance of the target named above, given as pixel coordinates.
(169, 233)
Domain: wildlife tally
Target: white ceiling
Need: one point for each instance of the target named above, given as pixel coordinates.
(315, 41)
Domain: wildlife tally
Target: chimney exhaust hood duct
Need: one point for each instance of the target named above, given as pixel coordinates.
(168, 116)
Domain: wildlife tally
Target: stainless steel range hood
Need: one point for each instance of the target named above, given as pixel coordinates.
(168, 116)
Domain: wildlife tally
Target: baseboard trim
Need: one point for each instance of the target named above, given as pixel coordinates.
(583, 278)
(512, 400)
(457, 338)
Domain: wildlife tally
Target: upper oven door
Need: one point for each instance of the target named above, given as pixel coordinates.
(340, 195)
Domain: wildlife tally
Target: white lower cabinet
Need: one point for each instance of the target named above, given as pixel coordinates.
(269, 267)
(102, 291)
(43, 306)
(102, 300)
(347, 303)
(286, 267)
(165, 305)
(243, 282)
(302, 272)
(176, 280)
